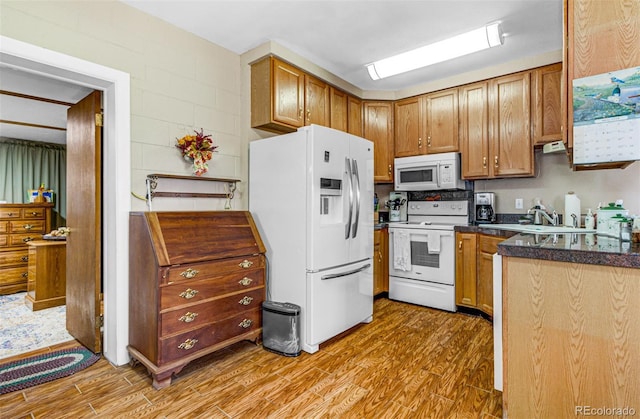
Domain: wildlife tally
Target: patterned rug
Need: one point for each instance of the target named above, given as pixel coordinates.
(39, 369)
(23, 330)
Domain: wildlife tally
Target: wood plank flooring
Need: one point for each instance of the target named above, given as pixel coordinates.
(410, 362)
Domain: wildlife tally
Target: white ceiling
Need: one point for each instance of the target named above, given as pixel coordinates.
(339, 36)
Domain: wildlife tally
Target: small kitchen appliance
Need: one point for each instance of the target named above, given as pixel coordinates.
(485, 207)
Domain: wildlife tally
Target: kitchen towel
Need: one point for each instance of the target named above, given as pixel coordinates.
(433, 242)
(401, 251)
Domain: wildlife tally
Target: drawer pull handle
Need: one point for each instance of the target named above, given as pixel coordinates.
(28, 226)
(27, 239)
(189, 273)
(245, 264)
(188, 317)
(25, 274)
(495, 163)
(188, 344)
(25, 258)
(246, 300)
(9, 214)
(245, 323)
(245, 281)
(34, 213)
(188, 293)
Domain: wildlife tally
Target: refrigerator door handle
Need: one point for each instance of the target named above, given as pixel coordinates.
(357, 176)
(347, 273)
(348, 225)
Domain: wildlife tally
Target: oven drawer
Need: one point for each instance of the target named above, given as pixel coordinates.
(428, 294)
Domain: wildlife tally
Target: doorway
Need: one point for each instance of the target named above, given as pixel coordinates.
(116, 170)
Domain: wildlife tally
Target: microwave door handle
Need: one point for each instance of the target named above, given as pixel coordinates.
(438, 175)
(347, 227)
(357, 176)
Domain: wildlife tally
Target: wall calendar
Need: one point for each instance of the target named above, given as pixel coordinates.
(606, 117)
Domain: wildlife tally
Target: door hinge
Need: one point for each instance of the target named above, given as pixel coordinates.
(98, 119)
(101, 320)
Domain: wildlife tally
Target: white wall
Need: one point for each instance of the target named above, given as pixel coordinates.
(179, 82)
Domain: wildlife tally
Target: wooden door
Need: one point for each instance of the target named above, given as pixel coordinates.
(316, 101)
(354, 111)
(338, 102)
(409, 128)
(84, 218)
(474, 130)
(510, 126)
(442, 121)
(378, 127)
(288, 94)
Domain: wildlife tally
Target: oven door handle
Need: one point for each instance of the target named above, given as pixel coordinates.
(347, 229)
(438, 175)
(357, 176)
(347, 273)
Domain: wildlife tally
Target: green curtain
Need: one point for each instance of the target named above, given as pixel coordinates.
(26, 165)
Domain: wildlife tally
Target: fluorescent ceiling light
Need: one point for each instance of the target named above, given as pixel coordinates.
(466, 43)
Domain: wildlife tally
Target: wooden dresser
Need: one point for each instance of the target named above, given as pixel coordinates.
(197, 283)
(19, 224)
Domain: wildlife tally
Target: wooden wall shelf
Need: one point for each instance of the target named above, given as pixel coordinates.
(152, 183)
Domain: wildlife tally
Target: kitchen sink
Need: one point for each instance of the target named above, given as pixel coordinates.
(537, 229)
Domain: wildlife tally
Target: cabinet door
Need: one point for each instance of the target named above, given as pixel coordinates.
(316, 101)
(354, 110)
(378, 269)
(338, 102)
(378, 127)
(474, 130)
(409, 129)
(510, 126)
(487, 246)
(466, 269)
(442, 121)
(288, 94)
(547, 114)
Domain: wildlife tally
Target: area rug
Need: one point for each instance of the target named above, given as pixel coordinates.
(23, 330)
(28, 372)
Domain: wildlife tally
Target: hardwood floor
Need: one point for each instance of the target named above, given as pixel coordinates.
(410, 362)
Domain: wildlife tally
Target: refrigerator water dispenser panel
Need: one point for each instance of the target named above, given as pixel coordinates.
(330, 186)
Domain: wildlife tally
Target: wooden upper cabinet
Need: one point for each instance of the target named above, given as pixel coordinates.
(378, 127)
(474, 130)
(410, 133)
(442, 121)
(277, 96)
(511, 148)
(338, 101)
(316, 101)
(546, 108)
(354, 113)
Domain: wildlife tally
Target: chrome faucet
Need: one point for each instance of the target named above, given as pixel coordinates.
(537, 213)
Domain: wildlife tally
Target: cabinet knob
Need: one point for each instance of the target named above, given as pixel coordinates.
(419, 142)
(390, 170)
(460, 245)
(25, 274)
(484, 162)
(308, 115)
(429, 141)
(245, 264)
(34, 213)
(189, 273)
(27, 239)
(246, 300)
(188, 317)
(25, 258)
(188, 344)
(245, 281)
(495, 162)
(28, 227)
(245, 323)
(188, 293)
(300, 113)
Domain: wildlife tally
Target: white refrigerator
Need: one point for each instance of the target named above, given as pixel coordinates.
(311, 196)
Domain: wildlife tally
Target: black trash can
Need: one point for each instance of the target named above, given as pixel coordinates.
(281, 328)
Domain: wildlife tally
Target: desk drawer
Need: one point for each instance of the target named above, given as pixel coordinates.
(10, 213)
(31, 213)
(14, 258)
(208, 270)
(23, 239)
(27, 226)
(14, 275)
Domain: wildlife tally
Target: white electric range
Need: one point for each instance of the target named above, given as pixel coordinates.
(422, 260)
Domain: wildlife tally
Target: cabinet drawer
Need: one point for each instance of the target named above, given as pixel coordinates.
(31, 213)
(193, 291)
(26, 226)
(14, 275)
(208, 270)
(197, 315)
(23, 239)
(10, 213)
(189, 343)
(4, 226)
(14, 258)
(489, 244)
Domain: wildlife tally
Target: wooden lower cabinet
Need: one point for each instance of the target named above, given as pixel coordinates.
(47, 274)
(197, 283)
(380, 261)
(474, 270)
(571, 339)
(19, 225)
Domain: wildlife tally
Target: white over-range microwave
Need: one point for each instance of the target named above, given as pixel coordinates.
(429, 172)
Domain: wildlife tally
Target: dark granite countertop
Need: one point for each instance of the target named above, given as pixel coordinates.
(485, 230)
(575, 248)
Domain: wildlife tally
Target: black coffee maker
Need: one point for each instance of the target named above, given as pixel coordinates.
(485, 207)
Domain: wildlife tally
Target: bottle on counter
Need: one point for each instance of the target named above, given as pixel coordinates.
(589, 221)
